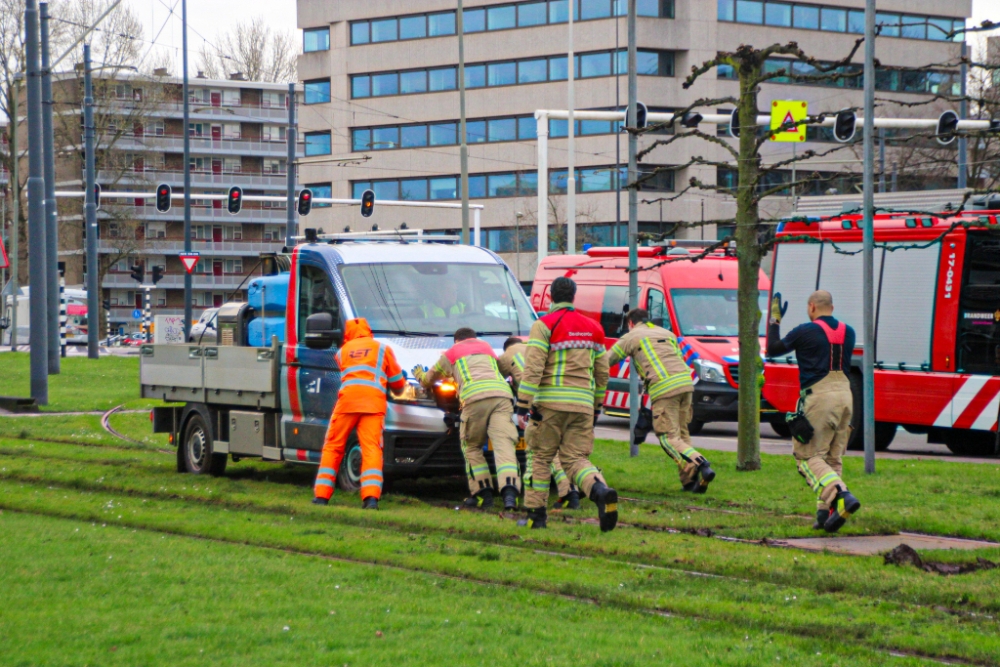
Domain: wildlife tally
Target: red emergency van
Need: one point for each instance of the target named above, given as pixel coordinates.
(937, 320)
(696, 300)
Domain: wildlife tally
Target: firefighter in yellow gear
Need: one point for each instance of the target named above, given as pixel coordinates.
(656, 356)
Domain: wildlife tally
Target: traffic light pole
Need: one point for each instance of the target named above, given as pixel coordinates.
(187, 173)
(147, 312)
(90, 210)
(51, 219)
(290, 170)
(633, 215)
(868, 237)
(16, 210)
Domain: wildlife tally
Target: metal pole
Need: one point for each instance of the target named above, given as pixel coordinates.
(475, 226)
(542, 130)
(633, 216)
(571, 157)
(36, 214)
(147, 314)
(881, 159)
(963, 112)
(187, 173)
(51, 219)
(290, 225)
(90, 210)
(795, 201)
(62, 316)
(464, 146)
(517, 247)
(16, 211)
(618, 140)
(868, 378)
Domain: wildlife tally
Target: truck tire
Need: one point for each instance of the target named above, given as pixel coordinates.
(694, 428)
(857, 439)
(780, 426)
(349, 475)
(971, 443)
(197, 454)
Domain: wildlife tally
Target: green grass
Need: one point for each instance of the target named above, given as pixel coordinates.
(113, 596)
(83, 385)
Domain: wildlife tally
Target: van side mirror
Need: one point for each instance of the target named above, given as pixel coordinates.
(320, 332)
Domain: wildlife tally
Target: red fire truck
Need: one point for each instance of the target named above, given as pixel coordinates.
(696, 300)
(937, 320)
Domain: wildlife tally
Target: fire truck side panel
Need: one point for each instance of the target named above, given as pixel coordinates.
(946, 305)
(795, 276)
(904, 307)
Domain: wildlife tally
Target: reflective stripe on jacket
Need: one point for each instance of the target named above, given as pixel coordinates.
(657, 356)
(511, 364)
(367, 369)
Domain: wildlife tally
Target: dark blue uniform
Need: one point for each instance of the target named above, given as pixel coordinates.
(812, 349)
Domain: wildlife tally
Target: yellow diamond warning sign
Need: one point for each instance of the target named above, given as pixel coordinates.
(784, 112)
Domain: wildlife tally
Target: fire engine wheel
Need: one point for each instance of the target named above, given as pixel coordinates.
(694, 428)
(197, 449)
(349, 476)
(885, 432)
(780, 426)
(971, 443)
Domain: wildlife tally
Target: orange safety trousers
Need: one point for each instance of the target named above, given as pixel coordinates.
(369, 428)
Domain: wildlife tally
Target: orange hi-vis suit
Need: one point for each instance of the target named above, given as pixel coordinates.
(367, 368)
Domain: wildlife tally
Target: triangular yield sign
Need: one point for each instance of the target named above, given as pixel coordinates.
(790, 119)
(189, 261)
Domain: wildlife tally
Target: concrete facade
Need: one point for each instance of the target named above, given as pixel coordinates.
(690, 30)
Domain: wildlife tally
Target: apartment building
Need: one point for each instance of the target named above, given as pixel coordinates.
(381, 105)
(237, 137)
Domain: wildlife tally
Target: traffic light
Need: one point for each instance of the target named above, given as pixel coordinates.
(157, 274)
(845, 125)
(139, 272)
(641, 112)
(163, 197)
(97, 195)
(946, 126)
(367, 203)
(690, 119)
(305, 201)
(734, 123)
(235, 201)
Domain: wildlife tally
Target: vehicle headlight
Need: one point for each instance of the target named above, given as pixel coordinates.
(709, 371)
(411, 393)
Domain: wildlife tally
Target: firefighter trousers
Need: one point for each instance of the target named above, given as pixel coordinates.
(828, 406)
(568, 435)
(369, 429)
(558, 475)
(671, 416)
(491, 418)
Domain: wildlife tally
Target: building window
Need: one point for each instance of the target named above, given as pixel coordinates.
(317, 143)
(508, 73)
(317, 91)
(316, 39)
(835, 19)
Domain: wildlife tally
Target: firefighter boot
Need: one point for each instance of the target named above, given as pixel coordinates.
(571, 501)
(707, 475)
(843, 507)
(821, 516)
(481, 501)
(320, 501)
(370, 504)
(536, 519)
(606, 500)
(509, 495)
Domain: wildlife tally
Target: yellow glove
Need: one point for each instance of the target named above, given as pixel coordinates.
(419, 373)
(777, 308)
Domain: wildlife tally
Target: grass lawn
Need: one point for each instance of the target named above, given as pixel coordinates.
(83, 385)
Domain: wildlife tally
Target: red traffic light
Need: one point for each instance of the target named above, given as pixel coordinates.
(305, 201)
(235, 199)
(163, 192)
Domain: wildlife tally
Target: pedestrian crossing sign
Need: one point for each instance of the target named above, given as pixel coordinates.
(784, 112)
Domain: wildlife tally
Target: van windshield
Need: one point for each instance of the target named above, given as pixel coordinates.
(436, 298)
(710, 312)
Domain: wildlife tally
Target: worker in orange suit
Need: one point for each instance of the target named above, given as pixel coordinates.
(367, 369)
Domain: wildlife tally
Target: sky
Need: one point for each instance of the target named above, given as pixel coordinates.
(207, 18)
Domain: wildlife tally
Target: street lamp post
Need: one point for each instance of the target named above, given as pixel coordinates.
(517, 243)
(187, 173)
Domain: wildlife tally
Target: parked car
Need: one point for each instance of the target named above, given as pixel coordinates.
(203, 330)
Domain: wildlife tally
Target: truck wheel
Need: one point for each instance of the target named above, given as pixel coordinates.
(694, 428)
(780, 426)
(198, 456)
(857, 439)
(349, 475)
(971, 443)
(884, 435)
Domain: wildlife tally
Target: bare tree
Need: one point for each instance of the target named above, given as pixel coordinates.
(254, 50)
(585, 212)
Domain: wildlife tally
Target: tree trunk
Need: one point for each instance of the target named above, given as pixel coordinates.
(748, 252)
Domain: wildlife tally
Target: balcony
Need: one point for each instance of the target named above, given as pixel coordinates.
(209, 214)
(174, 245)
(199, 110)
(201, 281)
(207, 145)
(152, 177)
